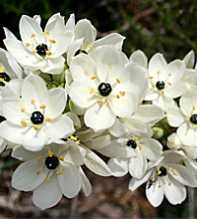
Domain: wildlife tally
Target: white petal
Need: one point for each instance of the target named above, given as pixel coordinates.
(138, 166)
(56, 103)
(29, 175)
(108, 59)
(12, 68)
(86, 185)
(72, 49)
(57, 31)
(152, 148)
(137, 77)
(135, 183)
(113, 39)
(70, 24)
(183, 175)
(118, 166)
(60, 128)
(83, 68)
(177, 89)
(155, 193)
(187, 135)
(176, 69)
(3, 145)
(116, 149)
(48, 194)
(174, 115)
(188, 103)
(70, 181)
(99, 118)
(123, 106)
(189, 59)
(96, 164)
(53, 66)
(80, 94)
(158, 65)
(174, 192)
(85, 30)
(21, 153)
(117, 129)
(149, 114)
(28, 27)
(34, 88)
(12, 112)
(16, 48)
(139, 58)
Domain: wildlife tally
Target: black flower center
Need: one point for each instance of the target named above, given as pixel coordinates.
(80, 51)
(104, 89)
(160, 85)
(52, 162)
(37, 118)
(42, 49)
(2, 119)
(162, 171)
(131, 143)
(193, 119)
(4, 78)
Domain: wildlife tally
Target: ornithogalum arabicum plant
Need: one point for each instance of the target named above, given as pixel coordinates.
(66, 97)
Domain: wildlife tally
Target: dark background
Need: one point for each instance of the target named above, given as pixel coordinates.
(154, 26)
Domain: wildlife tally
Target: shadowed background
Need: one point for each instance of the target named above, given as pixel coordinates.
(165, 26)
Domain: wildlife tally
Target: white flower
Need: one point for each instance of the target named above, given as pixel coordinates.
(106, 86)
(175, 143)
(79, 151)
(185, 118)
(49, 175)
(11, 75)
(132, 153)
(190, 76)
(40, 50)
(165, 79)
(85, 41)
(141, 121)
(167, 179)
(36, 118)
(85, 38)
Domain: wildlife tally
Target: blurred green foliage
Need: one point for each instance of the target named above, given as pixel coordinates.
(160, 25)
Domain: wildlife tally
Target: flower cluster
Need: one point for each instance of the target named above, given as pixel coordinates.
(66, 98)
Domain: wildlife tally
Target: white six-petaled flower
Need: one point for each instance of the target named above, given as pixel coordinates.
(40, 50)
(49, 175)
(36, 118)
(106, 85)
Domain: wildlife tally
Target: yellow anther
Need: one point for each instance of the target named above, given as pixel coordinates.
(46, 33)
(50, 153)
(33, 101)
(33, 35)
(52, 41)
(117, 80)
(93, 77)
(23, 110)
(61, 158)
(27, 44)
(48, 120)
(92, 90)
(23, 123)
(2, 69)
(42, 106)
(74, 138)
(122, 93)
